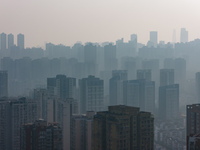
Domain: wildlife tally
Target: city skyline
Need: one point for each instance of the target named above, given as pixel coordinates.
(67, 22)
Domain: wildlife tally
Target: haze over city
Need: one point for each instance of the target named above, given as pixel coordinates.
(69, 21)
(99, 75)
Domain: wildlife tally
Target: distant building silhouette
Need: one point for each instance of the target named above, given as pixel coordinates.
(110, 60)
(166, 77)
(144, 74)
(10, 41)
(123, 127)
(184, 35)
(3, 41)
(154, 38)
(116, 87)
(169, 102)
(197, 83)
(20, 41)
(139, 93)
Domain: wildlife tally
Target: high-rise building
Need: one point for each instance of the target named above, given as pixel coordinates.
(134, 38)
(169, 102)
(110, 60)
(166, 77)
(41, 135)
(139, 93)
(197, 82)
(90, 59)
(91, 94)
(10, 41)
(123, 127)
(179, 66)
(144, 74)
(154, 38)
(14, 113)
(184, 35)
(63, 117)
(3, 84)
(116, 87)
(129, 64)
(5, 124)
(62, 87)
(20, 41)
(41, 97)
(153, 65)
(193, 126)
(82, 131)
(3, 41)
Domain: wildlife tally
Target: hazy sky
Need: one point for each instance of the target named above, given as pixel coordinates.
(69, 21)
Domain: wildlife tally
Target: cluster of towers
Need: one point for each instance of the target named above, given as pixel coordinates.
(7, 41)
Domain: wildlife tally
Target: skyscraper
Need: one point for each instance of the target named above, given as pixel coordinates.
(90, 59)
(184, 35)
(14, 113)
(63, 117)
(123, 127)
(134, 38)
(62, 87)
(3, 41)
(3, 84)
(20, 41)
(10, 41)
(116, 86)
(197, 82)
(169, 102)
(82, 131)
(91, 94)
(144, 74)
(41, 135)
(193, 126)
(139, 93)
(110, 60)
(154, 38)
(166, 77)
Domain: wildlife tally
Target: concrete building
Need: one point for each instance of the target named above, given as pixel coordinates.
(197, 84)
(20, 41)
(154, 38)
(193, 126)
(139, 93)
(110, 60)
(91, 91)
(116, 86)
(62, 87)
(15, 113)
(3, 41)
(166, 77)
(169, 102)
(41, 135)
(10, 41)
(63, 117)
(41, 97)
(3, 84)
(184, 35)
(144, 74)
(82, 131)
(122, 127)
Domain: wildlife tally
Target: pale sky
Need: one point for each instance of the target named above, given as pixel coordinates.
(69, 21)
